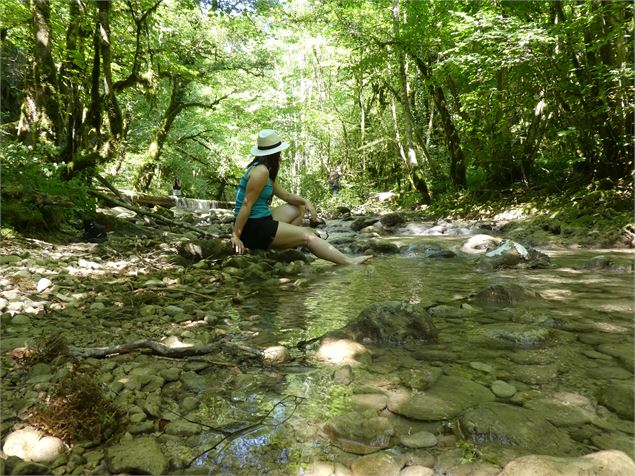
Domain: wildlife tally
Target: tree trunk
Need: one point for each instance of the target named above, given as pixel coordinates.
(416, 181)
(148, 169)
(457, 158)
(115, 118)
(71, 77)
(40, 109)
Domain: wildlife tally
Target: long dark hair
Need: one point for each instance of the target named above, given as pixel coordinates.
(272, 162)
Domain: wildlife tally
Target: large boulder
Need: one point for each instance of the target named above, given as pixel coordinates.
(390, 322)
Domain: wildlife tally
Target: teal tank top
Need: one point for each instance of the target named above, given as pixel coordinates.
(261, 207)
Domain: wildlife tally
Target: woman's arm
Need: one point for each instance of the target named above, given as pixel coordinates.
(294, 199)
(257, 180)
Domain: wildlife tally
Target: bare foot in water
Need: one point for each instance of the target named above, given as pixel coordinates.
(360, 259)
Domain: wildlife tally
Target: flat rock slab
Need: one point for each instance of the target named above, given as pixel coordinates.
(507, 425)
(447, 398)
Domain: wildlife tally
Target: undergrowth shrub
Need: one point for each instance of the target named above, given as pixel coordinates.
(35, 198)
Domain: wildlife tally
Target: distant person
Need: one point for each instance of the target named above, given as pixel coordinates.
(176, 187)
(334, 180)
(258, 226)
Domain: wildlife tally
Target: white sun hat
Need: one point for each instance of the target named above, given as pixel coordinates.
(268, 143)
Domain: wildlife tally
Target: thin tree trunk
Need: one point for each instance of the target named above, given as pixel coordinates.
(457, 159)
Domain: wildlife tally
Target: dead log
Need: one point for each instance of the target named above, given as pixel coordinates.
(155, 216)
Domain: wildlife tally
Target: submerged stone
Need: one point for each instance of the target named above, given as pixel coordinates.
(447, 398)
(391, 322)
(508, 425)
(360, 433)
(503, 295)
(510, 336)
(618, 397)
(138, 456)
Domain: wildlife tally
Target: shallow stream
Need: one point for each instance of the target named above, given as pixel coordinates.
(589, 346)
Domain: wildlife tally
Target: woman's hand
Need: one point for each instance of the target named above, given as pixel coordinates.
(309, 208)
(237, 244)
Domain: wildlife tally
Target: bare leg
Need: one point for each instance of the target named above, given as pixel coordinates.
(288, 213)
(290, 236)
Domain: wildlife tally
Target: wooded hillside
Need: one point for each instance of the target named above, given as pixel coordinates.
(420, 98)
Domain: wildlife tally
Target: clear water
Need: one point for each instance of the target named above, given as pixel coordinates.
(577, 302)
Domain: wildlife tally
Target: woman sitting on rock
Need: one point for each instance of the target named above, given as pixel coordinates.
(257, 226)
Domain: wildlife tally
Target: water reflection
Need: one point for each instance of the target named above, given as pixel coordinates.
(558, 349)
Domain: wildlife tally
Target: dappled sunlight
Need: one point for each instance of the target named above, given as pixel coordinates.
(340, 351)
(556, 294)
(610, 328)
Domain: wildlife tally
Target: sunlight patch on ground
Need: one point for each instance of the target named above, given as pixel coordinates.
(610, 328)
(556, 294)
(340, 351)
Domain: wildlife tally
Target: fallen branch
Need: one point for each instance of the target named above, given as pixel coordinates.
(155, 216)
(229, 436)
(110, 187)
(160, 349)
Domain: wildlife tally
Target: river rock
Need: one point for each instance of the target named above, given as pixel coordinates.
(447, 398)
(416, 470)
(42, 284)
(618, 396)
(561, 412)
(391, 322)
(420, 377)
(506, 255)
(602, 463)
(139, 456)
(360, 433)
(478, 244)
(31, 444)
(503, 389)
(375, 246)
(534, 374)
(447, 311)
(507, 425)
(503, 295)
(391, 220)
(422, 439)
(380, 464)
(275, 355)
(204, 249)
(510, 336)
(362, 222)
(369, 401)
(624, 352)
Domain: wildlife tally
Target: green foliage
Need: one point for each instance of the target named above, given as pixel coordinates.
(35, 198)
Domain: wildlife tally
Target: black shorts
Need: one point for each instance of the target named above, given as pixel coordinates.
(258, 233)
